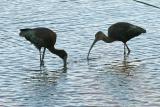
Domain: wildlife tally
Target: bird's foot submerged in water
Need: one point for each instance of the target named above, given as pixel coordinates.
(42, 63)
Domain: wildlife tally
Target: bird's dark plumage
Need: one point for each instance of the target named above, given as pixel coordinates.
(43, 37)
(121, 31)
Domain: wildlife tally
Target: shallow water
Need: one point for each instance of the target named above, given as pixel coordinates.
(107, 79)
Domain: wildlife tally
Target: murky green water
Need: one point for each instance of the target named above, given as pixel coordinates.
(108, 79)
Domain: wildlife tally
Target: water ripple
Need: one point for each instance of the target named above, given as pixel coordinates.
(108, 79)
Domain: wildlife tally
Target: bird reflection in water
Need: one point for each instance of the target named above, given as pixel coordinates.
(48, 76)
(126, 66)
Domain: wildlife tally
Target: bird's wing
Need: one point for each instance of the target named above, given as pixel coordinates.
(133, 32)
(46, 36)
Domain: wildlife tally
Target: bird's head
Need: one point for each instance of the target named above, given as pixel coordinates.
(98, 36)
(63, 54)
(24, 32)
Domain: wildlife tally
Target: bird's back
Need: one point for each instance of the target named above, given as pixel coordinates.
(46, 36)
(123, 31)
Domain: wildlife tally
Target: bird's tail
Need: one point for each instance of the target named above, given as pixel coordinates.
(143, 30)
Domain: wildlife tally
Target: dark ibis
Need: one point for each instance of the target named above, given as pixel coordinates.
(46, 38)
(121, 31)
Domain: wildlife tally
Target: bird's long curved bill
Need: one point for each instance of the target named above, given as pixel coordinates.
(91, 48)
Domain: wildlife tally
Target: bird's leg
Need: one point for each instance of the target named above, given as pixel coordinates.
(43, 56)
(128, 49)
(124, 49)
(40, 56)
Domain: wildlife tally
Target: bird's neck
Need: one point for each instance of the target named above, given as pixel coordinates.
(55, 51)
(107, 39)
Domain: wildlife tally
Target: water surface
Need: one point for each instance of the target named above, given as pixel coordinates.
(107, 79)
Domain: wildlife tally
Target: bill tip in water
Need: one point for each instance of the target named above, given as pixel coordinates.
(88, 56)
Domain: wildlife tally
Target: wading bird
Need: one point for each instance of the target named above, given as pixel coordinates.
(121, 31)
(43, 37)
